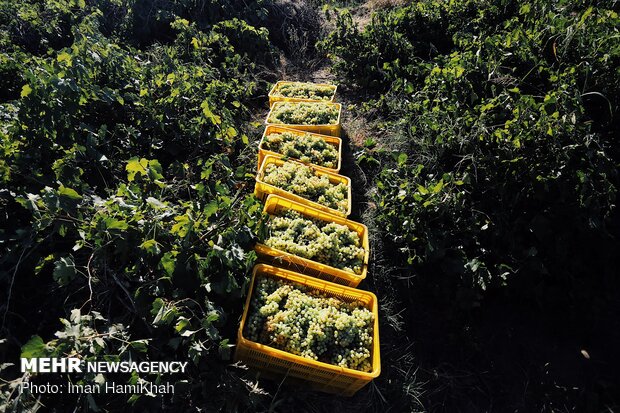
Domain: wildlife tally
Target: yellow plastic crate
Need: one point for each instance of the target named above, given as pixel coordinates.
(275, 205)
(320, 376)
(331, 140)
(332, 129)
(262, 189)
(274, 98)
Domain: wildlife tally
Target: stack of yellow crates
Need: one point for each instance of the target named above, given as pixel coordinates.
(317, 276)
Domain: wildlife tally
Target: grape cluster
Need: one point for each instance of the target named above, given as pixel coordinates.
(305, 91)
(303, 180)
(306, 148)
(325, 242)
(310, 324)
(304, 113)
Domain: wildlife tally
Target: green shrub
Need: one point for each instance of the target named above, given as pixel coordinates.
(125, 188)
(305, 91)
(498, 159)
(326, 242)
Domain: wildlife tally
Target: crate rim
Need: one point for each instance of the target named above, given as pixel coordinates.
(376, 371)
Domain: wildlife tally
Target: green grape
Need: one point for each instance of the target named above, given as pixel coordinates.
(306, 148)
(304, 113)
(311, 324)
(325, 242)
(305, 91)
(303, 180)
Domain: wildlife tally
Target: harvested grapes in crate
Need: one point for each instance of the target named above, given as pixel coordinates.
(329, 243)
(313, 242)
(300, 328)
(301, 182)
(306, 147)
(303, 90)
(311, 324)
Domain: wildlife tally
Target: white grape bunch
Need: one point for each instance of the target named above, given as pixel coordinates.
(311, 324)
(326, 242)
(304, 181)
(306, 148)
(305, 91)
(304, 113)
